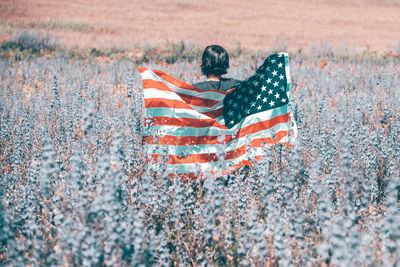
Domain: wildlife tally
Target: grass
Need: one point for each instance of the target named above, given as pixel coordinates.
(62, 25)
(29, 43)
(6, 28)
(182, 4)
(56, 25)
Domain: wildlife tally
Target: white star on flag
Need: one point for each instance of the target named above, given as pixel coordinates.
(274, 73)
(276, 84)
(272, 103)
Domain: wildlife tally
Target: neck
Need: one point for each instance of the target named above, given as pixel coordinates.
(213, 77)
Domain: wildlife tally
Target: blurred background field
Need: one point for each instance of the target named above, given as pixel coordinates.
(254, 24)
(178, 30)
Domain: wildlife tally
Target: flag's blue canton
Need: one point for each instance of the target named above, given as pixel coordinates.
(265, 90)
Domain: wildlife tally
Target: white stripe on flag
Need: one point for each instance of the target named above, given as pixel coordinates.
(155, 93)
(212, 148)
(215, 131)
(177, 113)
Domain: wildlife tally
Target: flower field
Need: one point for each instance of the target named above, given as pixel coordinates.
(75, 188)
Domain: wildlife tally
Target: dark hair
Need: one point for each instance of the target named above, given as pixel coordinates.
(215, 60)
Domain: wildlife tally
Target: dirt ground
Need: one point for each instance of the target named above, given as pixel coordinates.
(257, 24)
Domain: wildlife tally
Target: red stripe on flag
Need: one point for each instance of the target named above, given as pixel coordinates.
(141, 70)
(190, 99)
(165, 103)
(188, 176)
(182, 140)
(255, 143)
(214, 113)
(198, 101)
(208, 157)
(262, 125)
(177, 82)
(173, 103)
(202, 140)
(193, 158)
(186, 122)
(245, 162)
(150, 84)
(192, 176)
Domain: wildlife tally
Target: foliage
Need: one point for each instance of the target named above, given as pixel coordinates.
(6, 28)
(63, 25)
(75, 188)
(30, 42)
(58, 25)
(26, 44)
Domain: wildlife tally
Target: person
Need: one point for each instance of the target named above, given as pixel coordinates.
(214, 64)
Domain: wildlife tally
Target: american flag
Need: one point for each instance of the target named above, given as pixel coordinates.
(192, 132)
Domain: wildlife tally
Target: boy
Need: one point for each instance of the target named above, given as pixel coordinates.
(215, 63)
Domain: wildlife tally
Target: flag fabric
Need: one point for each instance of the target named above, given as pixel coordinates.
(191, 132)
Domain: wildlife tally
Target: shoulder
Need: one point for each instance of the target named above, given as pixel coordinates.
(206, 86)
(224, 85)
(228, 83)
(200, 84)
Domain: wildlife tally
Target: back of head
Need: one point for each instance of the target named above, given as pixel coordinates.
(215, 60)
